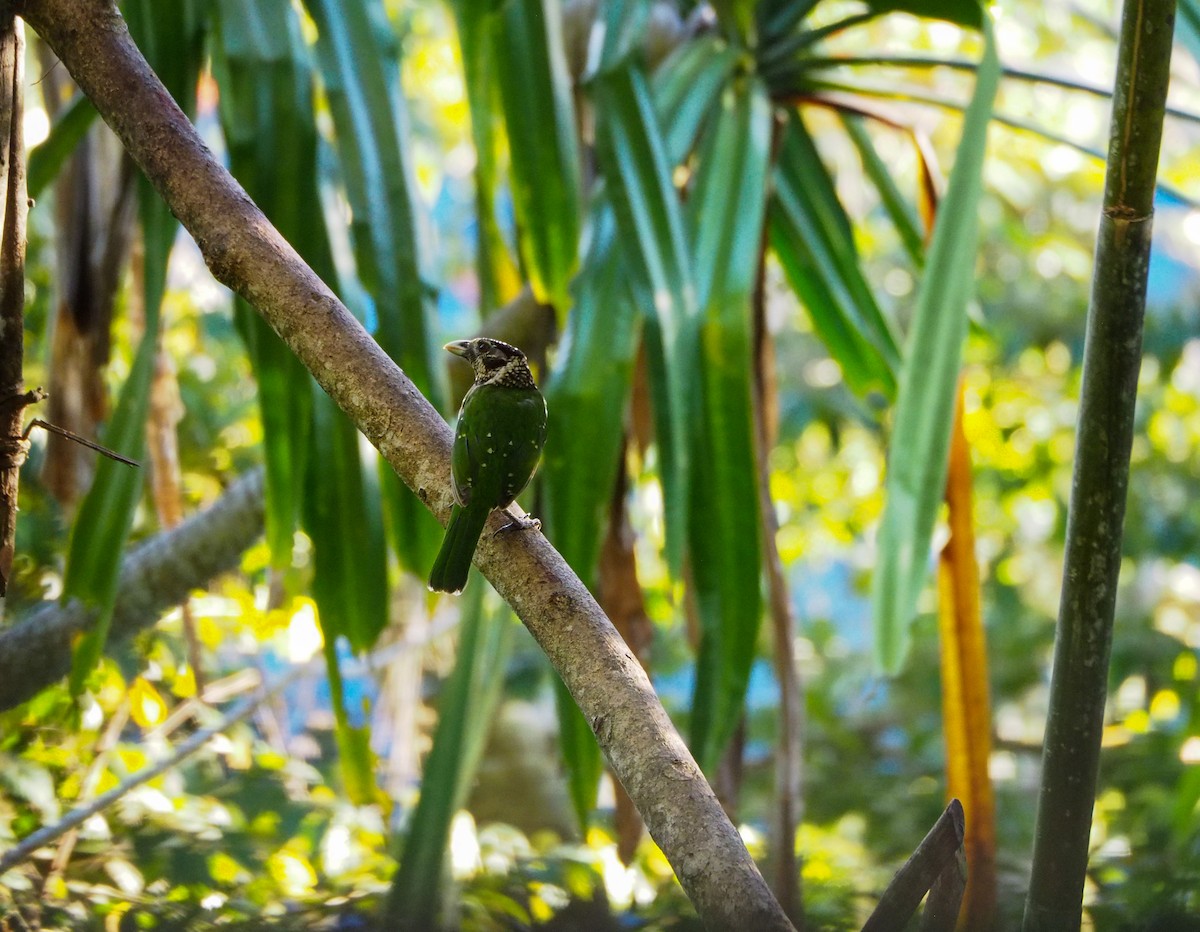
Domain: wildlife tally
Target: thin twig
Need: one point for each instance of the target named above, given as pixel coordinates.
(789, 758)
(71, 435)
(91, 782)
(81, 814)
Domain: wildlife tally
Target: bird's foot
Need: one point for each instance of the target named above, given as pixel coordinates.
(521, 522)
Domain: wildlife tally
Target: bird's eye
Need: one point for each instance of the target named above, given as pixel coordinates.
(484, 346)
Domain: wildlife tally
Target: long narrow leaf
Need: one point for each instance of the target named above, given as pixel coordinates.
(966, 705)
(727, 209)
(650, 230)
(812, 237)
(778, 18)
(356, 760)
(925, 407)
(350, 572)
(684, 88)
(314, 470)
(586, 396)
(465, 709)
(360, 67)
(106, 514)
(266, 97)
(172, 42)
(49, 156)
(621, 24)
(966, 13)
(535, 88)
(902, 214)
(494, 266)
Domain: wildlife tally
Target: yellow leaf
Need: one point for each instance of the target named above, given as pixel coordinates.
(292, 872)
(966, 705)
(146, 706)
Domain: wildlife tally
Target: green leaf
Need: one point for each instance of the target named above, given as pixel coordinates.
(539, 113)
(903, 215)
(737, 19)
(106, 513)
(813, 240)
(1187, 26)
(262, 66)
(727, 210)
(493, 263)
(48, 157)
(312, 451)
(966, 13)
(360, 66)
(779, 18)
(359, 62)
(621, 25)
(581, 754)
(349, 564)
(466, 707)
(650, 233)
(586, 399)
(172, 40)
(685, 87)
(925, 407)
(285, 410)
(356, 760)
(414, 532)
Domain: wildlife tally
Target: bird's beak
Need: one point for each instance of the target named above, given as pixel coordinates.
(459, 348)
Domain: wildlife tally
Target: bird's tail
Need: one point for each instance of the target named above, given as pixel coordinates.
(453, 563)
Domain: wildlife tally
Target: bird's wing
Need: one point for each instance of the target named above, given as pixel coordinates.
(460, 468)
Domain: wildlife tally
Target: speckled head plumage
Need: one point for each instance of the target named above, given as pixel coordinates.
(494, 362)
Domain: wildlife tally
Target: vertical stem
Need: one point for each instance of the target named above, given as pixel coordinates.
(784, 873)
(12, 283)
(1112, 358)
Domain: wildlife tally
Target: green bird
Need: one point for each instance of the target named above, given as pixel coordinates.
(497, 445)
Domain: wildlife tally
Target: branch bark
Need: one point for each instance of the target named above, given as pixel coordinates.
(246, 253)
(1112, 357)
(13, 398)
(159, 573)
(939, 851)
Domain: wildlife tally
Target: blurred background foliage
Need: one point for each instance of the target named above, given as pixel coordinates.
(300, 815)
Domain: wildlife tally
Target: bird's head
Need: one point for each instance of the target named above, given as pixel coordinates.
(494, 361)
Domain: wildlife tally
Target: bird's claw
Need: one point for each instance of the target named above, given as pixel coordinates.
(519, 523)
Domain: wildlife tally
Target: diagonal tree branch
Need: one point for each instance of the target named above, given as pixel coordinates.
(246, 253)
(157, 574)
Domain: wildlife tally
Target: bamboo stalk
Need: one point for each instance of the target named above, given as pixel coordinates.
(1112, 358)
